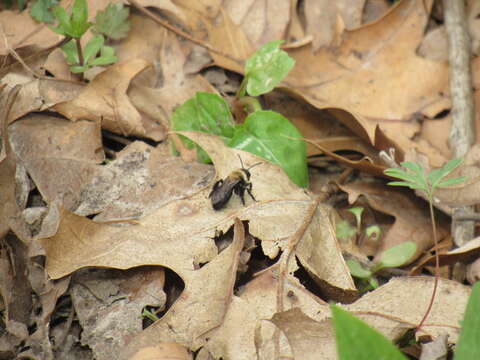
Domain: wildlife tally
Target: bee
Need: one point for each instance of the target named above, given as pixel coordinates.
(237, 182)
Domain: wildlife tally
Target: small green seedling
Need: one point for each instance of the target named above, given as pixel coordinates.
(263, 133)
(394, 257)
(111, 23)
(41, 10)
(414, 177)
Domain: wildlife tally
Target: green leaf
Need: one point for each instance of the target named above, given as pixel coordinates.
(273, 137)
(416, 168)
(397, 255)
(435, 176)
(79, 18)
(63, 27)
(113, 21)
(373, 232)
(357, 211)
(208, 113)
(266, 68)
(41, 10)
(343, 230)
(70, 51)
(92, 48)
(356, 340)
(401, 174)
(407, 184)
(76, 69)
(107, 56)
(452, 181)
(75, 25)
(357, 270)
(468, 346)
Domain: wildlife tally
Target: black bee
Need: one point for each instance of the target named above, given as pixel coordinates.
(237, 182)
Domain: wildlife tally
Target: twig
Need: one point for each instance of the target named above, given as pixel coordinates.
(462, 132)
(179, 32)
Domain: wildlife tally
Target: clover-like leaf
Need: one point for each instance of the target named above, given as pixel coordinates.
(41, 10)
(113, 21)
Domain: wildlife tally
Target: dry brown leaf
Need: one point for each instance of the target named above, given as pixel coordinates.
(105, 100)
(159, 102)
(140, 180)
(108, 304)
(53, 147)
(244, 327)
(19, 29)
(392, 309)
(202, 305)
(163, 351)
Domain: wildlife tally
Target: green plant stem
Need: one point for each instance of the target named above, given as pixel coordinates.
(252, 104)
(79, 51)
(242, 89)
(437, 262)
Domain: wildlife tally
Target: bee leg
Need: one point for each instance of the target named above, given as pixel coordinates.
(249, 190)
(241, 194)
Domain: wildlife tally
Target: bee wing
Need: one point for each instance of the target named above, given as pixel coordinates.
(222, 192)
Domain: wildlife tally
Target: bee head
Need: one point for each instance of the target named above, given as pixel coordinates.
(247, 171)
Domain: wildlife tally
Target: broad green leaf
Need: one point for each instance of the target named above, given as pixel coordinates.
(358, 341)
(79, 20)
(63, 27)
(70, 51)
(357, 270)
(107, 57)
(41, 10)
(452, 181)
(468, 346)
(397, 255)
(343, 230)
(208, 113)
(273, 137)
(266, 68)
(113, 21)
(92, 48)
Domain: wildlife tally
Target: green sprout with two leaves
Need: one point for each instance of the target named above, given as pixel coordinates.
(264, 133)
(395, 256)
(110, 23)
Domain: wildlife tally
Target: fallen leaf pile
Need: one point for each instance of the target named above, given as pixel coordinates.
(109, 245)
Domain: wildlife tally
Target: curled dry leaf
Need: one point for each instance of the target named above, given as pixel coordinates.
(392, 309)
(51, 147)
(105, 100)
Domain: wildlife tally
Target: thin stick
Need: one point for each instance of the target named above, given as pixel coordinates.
(462, 132)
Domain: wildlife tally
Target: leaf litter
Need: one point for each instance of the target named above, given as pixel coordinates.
(108, 228)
